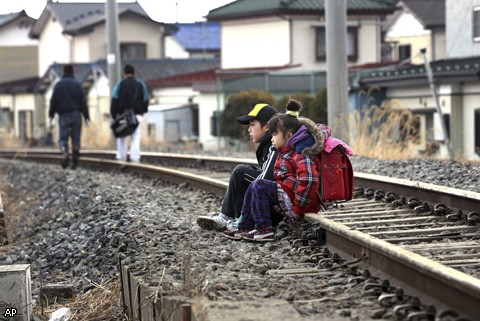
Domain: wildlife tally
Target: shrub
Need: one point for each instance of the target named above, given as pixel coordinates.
(240, 104)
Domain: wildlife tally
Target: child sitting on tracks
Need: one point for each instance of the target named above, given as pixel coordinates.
(295, 191)
(243, 175)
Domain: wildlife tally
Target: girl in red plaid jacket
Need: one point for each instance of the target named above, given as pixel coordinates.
(295, 192)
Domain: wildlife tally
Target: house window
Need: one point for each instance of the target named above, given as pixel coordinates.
(476, 24)
(133, 50)
(404, 52)
(6, 118)
(352, 44)
(215, 123)
(386, 51)
(477, 131)
(152, 130)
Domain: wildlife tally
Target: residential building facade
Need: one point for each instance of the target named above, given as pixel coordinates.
(283, 33)
(17, 47)
(415, 25)
(77, 31)
(463, 28)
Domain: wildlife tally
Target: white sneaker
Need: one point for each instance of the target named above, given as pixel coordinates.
(232, 225)
(217, 222)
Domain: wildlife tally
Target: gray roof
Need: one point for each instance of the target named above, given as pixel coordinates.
(430, 12)
(5, 19)
(252, 8)
(145, 69)
(80, 17)
(25, 85)
(453, 69)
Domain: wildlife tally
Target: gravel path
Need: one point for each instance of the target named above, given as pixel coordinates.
(74, 226)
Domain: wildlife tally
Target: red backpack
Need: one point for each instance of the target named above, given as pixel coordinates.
(336, 175)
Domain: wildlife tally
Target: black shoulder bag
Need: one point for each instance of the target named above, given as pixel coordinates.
(125, 123)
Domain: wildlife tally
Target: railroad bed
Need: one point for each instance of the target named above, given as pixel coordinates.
(80, 223)
(300, 269)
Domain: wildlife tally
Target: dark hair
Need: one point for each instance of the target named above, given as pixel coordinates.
(68, 69)
(288, 121)
(128, 69)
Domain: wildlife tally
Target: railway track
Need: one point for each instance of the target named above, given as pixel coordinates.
(428, 243)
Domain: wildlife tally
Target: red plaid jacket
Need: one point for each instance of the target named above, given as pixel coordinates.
(298, 176)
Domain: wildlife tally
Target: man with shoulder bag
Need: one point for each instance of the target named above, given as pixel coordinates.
(129, 99)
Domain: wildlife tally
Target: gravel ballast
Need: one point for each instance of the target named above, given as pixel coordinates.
(75, 226)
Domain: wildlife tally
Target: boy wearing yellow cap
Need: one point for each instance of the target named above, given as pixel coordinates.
(243, 175)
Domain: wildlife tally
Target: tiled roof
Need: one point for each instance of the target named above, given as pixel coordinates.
(430, 12)
(81, 14)
(19, 86)
(81, 73)
(198, 36)
(78, 16)
(145, 69)
(250, 8)
(460, 68)
(9, 17)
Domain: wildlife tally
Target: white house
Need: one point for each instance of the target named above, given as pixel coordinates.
(77, 31)
(285, 33)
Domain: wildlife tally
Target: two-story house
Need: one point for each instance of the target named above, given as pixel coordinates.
(76, 33)
(272, 33)
(19, 56)
(17, 47)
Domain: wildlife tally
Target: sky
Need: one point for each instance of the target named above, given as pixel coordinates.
(168, 11)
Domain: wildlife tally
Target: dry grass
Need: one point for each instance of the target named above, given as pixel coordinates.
(384, 133)
(103, 302)
(98, 137)
(9, 142)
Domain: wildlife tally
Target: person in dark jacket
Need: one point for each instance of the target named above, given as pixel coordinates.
(243, 175)
(69, 102)
(129, 93)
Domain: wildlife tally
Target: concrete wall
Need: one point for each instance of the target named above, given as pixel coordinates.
(255, 43)
(459, 19)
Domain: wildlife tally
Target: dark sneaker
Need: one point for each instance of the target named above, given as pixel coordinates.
(75, 158)
(259, 235)
(65, 160)
(213, 223)
(234, 235)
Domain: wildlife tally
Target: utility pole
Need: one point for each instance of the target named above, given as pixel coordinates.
(337, 72)
(428, 69)
(113, 48)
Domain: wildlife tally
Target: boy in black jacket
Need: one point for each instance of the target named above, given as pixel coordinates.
(243, 175)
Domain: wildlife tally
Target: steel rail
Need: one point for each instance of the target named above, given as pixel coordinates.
(451, 197)
(447, 285)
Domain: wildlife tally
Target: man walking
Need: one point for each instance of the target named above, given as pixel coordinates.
(68, 100)
(129, 93)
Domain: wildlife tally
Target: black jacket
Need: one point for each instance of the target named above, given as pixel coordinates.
(266, 157)
(129, 93)
(68, 96)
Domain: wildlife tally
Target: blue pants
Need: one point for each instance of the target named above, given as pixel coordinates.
(70, 127)
(258, 205)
